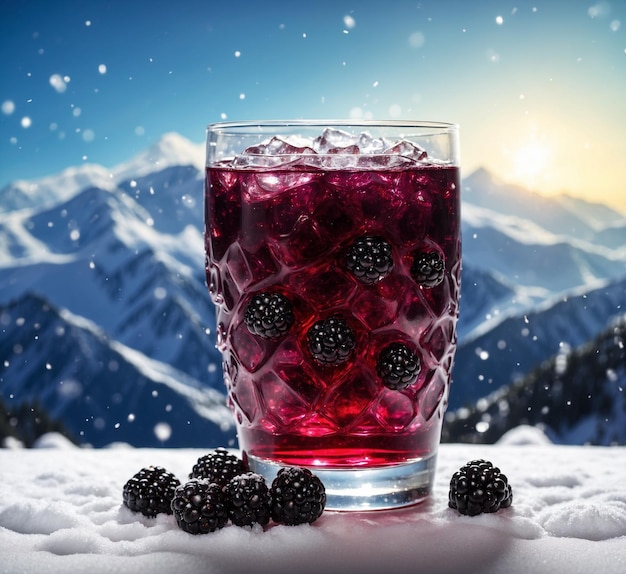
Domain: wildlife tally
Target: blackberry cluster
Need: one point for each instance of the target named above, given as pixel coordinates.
(479, 487)
(269, 315)
(369, 259)
(200, 507)
(298, 496)
(207, 501)
(428, 269)
(219, 467)
(248, 500)
(150, 491)
(398, 366)
(331, 341)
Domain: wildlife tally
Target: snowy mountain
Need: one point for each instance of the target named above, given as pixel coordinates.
(170, 212)
(578, 396)
(50, 190)
(508, 349)
(122, 249)
(171, 150)
(533, 258)
(99, 255)
(560, 215)
(101, 390)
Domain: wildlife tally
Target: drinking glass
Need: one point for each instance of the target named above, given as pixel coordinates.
(333, 256)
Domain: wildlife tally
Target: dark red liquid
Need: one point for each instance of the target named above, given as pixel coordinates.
(288, 231)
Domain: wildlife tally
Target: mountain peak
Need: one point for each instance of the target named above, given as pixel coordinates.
(169, 150)
(486, 181)
(481, 173)
(52, 189)
(558, 214)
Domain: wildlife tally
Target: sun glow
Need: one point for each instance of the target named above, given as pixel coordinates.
(531, 162)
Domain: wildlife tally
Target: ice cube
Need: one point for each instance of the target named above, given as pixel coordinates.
(408, 150)
(265, 153)
(369, 145)
(332, 138)
(333, 149)
(336, 158)
(348, 150)
(383, 161)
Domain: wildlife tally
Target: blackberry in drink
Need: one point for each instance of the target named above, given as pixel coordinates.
(333, 258)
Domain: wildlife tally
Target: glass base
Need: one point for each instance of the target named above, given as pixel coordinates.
(366, 489)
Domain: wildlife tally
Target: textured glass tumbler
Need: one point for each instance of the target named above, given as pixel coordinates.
(333, 256)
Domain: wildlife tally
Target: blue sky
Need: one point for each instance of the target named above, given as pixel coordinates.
(538, 87)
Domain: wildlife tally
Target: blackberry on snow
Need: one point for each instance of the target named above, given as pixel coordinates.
(369, 259)
(479, 487)
(298, 496)
(218, 466)
(398, 366)
(200, 507)
(248, 500)
(428, 269)
(331, 341)
(269, 315)
(150, 491)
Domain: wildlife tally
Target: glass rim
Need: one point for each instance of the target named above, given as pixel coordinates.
(239, 126)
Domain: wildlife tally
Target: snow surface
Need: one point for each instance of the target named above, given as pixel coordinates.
(61, 511)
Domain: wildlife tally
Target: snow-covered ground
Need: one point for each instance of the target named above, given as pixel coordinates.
(61, 511)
